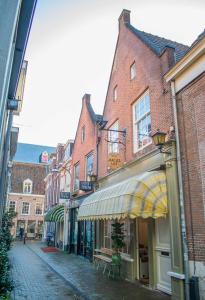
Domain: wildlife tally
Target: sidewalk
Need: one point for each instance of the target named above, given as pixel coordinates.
(81, 275)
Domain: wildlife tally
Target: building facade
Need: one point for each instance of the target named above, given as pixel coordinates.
(138, 103)
(84, 165)
(15, 23)
(187, 79)
(27, 189)
(57, 186)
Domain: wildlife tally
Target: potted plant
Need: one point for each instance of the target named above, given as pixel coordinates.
(117, 237)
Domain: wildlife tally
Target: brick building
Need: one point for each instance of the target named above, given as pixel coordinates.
(187, 79)
(138, 103)
(84, 164)
(27, 188)
(57, 195)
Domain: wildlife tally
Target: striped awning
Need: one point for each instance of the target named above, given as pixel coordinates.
(55, 214)
(142, 196)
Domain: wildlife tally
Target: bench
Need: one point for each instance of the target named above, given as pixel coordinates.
(104, 257)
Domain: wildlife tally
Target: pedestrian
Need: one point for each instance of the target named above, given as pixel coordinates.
(21, 233)
(24, 238)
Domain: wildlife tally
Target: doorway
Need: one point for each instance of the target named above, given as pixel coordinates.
(143, 251)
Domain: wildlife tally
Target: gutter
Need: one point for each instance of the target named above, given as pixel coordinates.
(181, 194)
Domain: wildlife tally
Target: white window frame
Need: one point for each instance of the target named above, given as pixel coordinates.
(113, 136)
(41, 204)
(75, 187)
(9, 207)
(26, 214)
(83, 134)
(133, 71)
(86, 165)
(115, 93)
(27, 183)
(137, 121)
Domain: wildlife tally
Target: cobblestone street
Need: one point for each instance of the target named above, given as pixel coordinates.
(39, 275)
(34, 280)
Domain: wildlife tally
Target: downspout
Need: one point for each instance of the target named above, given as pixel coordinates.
(181, 194)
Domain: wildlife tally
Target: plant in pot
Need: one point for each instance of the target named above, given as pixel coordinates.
(117, 237)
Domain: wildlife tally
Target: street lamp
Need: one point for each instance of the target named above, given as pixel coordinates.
(159, 140)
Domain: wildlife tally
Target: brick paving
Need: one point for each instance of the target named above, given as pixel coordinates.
(34, 280)
(65, 275)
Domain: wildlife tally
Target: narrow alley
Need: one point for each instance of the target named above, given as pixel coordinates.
(62, 276)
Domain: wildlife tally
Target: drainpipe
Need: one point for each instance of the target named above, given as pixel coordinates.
(181, 194)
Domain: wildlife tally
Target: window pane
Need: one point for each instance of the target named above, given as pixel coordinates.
(89, 165)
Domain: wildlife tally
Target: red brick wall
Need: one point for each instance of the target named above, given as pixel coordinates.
(35, 172)
(150, 71)
(80, 150)
(191, 116)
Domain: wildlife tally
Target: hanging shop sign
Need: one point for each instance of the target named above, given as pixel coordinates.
(64, 195)
(114, 161)
(86, 186)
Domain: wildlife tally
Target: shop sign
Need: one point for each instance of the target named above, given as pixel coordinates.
(114, 161)
(64, 195)
(86, 186)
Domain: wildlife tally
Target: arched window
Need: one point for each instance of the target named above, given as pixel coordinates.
(27, 186)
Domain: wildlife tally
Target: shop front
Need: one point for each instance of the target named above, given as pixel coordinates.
(81, 232)
(139, 196)
(54, 220)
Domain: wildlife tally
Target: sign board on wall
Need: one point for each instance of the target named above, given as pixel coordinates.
(114, 161)
(64, 195)
(86, 186)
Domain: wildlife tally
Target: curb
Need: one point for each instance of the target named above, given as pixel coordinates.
(77, 291)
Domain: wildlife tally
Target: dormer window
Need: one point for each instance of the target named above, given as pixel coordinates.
(83, 134)
(27, 186)
(115, 93)
(133, 71)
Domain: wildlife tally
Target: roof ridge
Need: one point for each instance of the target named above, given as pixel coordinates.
(163, 38)
(157, 44)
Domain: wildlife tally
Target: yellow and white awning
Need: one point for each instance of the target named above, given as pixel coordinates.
(142, 196)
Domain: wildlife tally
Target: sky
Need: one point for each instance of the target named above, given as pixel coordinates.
(70, 53)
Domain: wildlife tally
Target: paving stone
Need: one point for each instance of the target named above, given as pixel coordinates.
(82, 275)
(33, 279)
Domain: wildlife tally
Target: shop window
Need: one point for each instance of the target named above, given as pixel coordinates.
(83, 134)
(25, 208)
(113, 138)
(107, 241)
(12, 206)
(133, 71)
(76, 176)
(115, 93)
(27, 186)
(141, 122)
(89, 165)
(39, 208)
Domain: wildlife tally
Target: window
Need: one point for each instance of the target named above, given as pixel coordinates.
(76, 176)
(39, 208)
(25, 208)
(141, 122)
(27, 186)
(128, 237)
(12, 206)
(83, 134)
(89, 165)
(133, 71)
(113, 138)
(115, 93)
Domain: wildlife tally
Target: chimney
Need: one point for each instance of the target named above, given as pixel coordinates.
(86, 99)
(124, 18)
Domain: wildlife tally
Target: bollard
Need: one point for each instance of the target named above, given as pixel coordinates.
(24, 239)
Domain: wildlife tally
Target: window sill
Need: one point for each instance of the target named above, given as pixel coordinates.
(143, 147)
